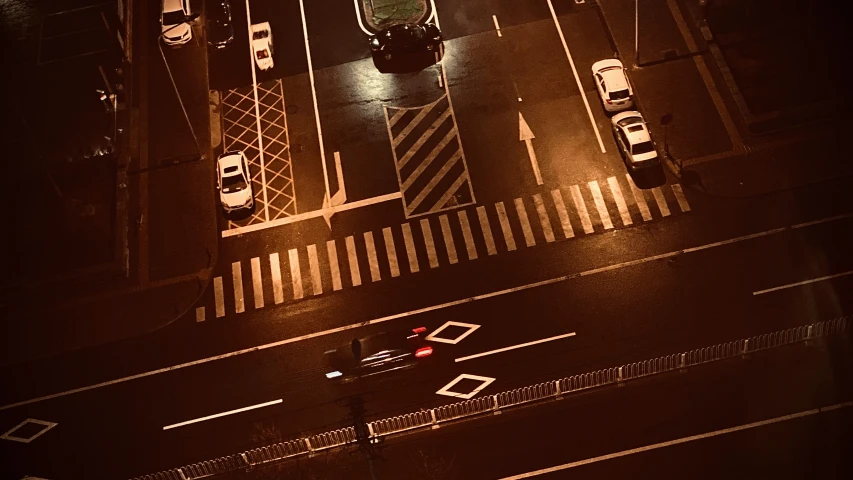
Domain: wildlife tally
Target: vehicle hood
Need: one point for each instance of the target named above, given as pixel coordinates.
(176, 33)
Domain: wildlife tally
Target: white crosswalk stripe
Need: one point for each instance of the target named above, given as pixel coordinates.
(409, 242)
(639, 199)
(505, 228)
(580, 206)
(314, 267)
(448, 239)
(525, 222)
(470, 247)
(334, 268)
(565, 223)
(199, 314)
(237, 278)
(661, 201)
(257, 283)
(598, 199)
(487, 231)
(616, 191)
(680, 198)
(275, 270)
(372, 259)
(388, 236)
(295, 273)
(219, 297)
(543, 218)
(355, 273)
(429, 243)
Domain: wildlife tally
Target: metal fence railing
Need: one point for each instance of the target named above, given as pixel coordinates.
(507, 399)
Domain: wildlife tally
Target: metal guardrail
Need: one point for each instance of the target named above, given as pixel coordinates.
(507, 399)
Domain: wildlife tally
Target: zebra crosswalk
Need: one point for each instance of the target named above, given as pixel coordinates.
(445, 239)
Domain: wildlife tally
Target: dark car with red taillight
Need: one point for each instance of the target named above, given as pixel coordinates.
(408, 43)
(377, 354)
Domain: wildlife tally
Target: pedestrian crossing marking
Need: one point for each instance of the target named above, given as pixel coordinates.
(543, 218)
(410, 248)
(219, 299)
(467, 235)
(580, 206)
(372, 260)
(620, 201)
(568, 231)
(505, 228)
(448, 239)
(680, 198)
(639, 199)
(661, 201)
(295, 273)
(237, 278)
(275, 271)
(199, 314)
(391, 251)
(429, 243)
(257, 283)
(334, 268)
(487, 231)
(598, 200)
(314, 266)
(355, 274)
(525, 222)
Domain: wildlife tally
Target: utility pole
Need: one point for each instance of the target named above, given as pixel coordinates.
(636, 33)
(366, 446)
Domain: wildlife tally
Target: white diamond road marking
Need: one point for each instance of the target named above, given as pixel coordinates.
(433, 337)
(10, 435)
(485, 382)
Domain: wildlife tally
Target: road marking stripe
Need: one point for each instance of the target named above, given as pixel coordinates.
(448, 239)
(620, 201)
(391, 251)
(334, 268)
(257, 283)
(505, 228)
(295, 273)
(410, 248)
(352, 258)
(679, 196)
(372, 259)
(237, 279)
(430, 244)
(427, 161)
(431, 308)
(314, 266)
(513, 347)
(423, 112)
(804, 282)
(581, 207)
(670, 443)
(639, 199)
(529, 240)
(568, 231)
(277, 288)
(452, 190)
(199, 314)
(467, 235)
(217, 415)
(543, 218)
(598, 199)
(497, 26)
(487, 231)
(219, 297)
(423, 139)
(661, 201)
(439, 175)
(398, 114)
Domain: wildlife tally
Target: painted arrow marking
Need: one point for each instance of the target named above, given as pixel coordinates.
(340, 197)
(526, 135)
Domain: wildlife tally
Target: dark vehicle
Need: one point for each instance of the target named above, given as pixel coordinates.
(220, 28)
(404, 43)
(376, 354)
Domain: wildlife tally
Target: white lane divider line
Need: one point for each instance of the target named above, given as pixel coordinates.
(277, 287)
(352, 258)
(257, 283)
(661, 201)
(505, 228)
(358, 17)
(470, 247)
(295, 273)
(544, 220)
(679, 196)
(391, 251)
(679, 441)
(429, 242)
(409, 242)
(514, 347)
(448, 239)
(223, 414)
(199, 314)
(525, 222)
(219, 297)
(804, 282)
(577, 198)
(624, 213)
(372, 259)
(639, 199)
(598, 198)
(314, 267)
(568, 231)
(334, 268)
(237, 278)
(497, 26)
(487, 231)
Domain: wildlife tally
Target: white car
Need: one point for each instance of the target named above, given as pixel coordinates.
(233, 181)
(262, 45)
(611, 81)
(635, 143)
(173, 22)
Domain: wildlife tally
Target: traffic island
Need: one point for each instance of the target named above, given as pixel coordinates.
(381, 14)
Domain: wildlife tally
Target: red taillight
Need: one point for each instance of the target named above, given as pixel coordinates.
(419, 330)
(423, 352)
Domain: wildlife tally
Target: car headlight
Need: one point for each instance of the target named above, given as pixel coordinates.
(374, 42)
(333, 374)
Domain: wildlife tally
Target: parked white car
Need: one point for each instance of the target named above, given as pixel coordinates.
(634, 141)
(233, 181)
(262, 45)
(173, 22)
(611, 81)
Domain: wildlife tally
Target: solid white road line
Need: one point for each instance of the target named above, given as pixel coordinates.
(513, 347)
(313, 96)
(432, 308)
(237, 278)
(568, 231)
(639, 199)
(257, 283)
(295, 273)
(598, 199)
(679, 196)
(429, 243)
(391, 251)
(258, 114)
(580, 205)
(497, 26)
(409, 242)
(804, 282)
(358, 16)
(334, 268)
(620, 201)
(314, 267)
(486, 228)
(470, 247)
(219, 297)
(543, 218)
(434, 14)
(448, 239)
(529, 240)
(217, 415)
(352, 258)
(670, 443)
(661, 201)
(505, 228)
(277, 287)
(577, 78)
(372, 259)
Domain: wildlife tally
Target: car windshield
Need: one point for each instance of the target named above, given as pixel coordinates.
(234, 183)
(173, 18)
(260, 35)
(628, 121)
(643, 147)
(262, 54)
(619, 95)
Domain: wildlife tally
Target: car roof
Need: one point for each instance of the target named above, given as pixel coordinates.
(172, 5)
(230, 159)
(636, 132)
